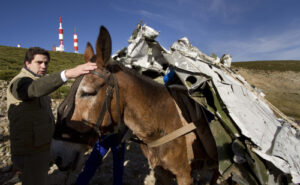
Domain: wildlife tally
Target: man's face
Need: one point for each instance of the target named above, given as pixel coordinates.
(38, 65)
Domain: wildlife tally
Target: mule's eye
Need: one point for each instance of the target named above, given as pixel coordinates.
(87, 94)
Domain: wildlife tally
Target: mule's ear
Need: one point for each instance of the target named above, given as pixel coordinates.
(103, 47)
(89, 52)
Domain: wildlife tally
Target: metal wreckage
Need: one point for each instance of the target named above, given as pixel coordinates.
(254, 146)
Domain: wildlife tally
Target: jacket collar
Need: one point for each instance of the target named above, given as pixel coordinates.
(32, 73)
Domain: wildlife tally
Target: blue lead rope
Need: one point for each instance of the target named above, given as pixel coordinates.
(169, 76)
(100, 149)
(118, 164)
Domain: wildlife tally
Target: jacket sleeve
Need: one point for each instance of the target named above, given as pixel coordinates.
(27, 89)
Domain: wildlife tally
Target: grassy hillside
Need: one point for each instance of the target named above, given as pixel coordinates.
(280, 65)
(12, 60)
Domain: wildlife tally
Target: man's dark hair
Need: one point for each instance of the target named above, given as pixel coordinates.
(34, 51)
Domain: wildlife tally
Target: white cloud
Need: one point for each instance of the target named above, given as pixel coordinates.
(289, 54)
(285, 45)
(148, 14)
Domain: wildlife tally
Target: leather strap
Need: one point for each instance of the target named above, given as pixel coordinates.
(112, 82)
(173, 135)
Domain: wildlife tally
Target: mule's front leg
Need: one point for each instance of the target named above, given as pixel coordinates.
(184, 179)
(162, 176)
(177, 162)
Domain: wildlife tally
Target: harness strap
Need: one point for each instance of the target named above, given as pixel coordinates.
(65, 108)
(109, 92)
(99, 75)
(64, 113)
(111, 80)
(102, 113)
(173, 135)
(121, 128)
(106, 105)
(118, 99)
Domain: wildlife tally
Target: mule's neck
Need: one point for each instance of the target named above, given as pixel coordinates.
(149, 110)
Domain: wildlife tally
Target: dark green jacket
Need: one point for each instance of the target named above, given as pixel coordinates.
(29, 111)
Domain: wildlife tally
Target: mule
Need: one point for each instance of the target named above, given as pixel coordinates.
(141, 104)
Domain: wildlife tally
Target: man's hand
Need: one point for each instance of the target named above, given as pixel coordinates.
(80, 70)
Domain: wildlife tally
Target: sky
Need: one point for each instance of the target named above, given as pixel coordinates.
(248, 30)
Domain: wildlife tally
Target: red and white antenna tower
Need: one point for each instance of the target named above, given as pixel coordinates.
(60, 36)
(75, 42)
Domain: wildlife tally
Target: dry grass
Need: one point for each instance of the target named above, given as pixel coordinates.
(282, 88)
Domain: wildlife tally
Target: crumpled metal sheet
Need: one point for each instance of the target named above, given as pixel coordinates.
(226, 60)
(285, 151)
(183, 62)
(140, 54)
(185, 48)
(251, 114)
(273, 140)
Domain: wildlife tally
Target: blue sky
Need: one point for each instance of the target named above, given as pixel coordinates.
(246, 29)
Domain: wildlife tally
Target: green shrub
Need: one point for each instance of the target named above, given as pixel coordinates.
(12, 60)
(7, 74)
(280, 65)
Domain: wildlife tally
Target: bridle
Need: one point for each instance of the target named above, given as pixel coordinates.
(64, 112)
(66, 109)
(112, 85)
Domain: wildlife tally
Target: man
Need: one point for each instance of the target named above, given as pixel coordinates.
(30, 115)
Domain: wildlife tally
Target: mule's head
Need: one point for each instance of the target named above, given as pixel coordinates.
(94, 88)
(89, 98)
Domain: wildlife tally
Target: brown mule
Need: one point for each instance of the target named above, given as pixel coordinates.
(146, 108)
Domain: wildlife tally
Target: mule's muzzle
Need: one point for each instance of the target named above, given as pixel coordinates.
(59, 164)
(80, 126)
(71, 166)
(58, 161)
